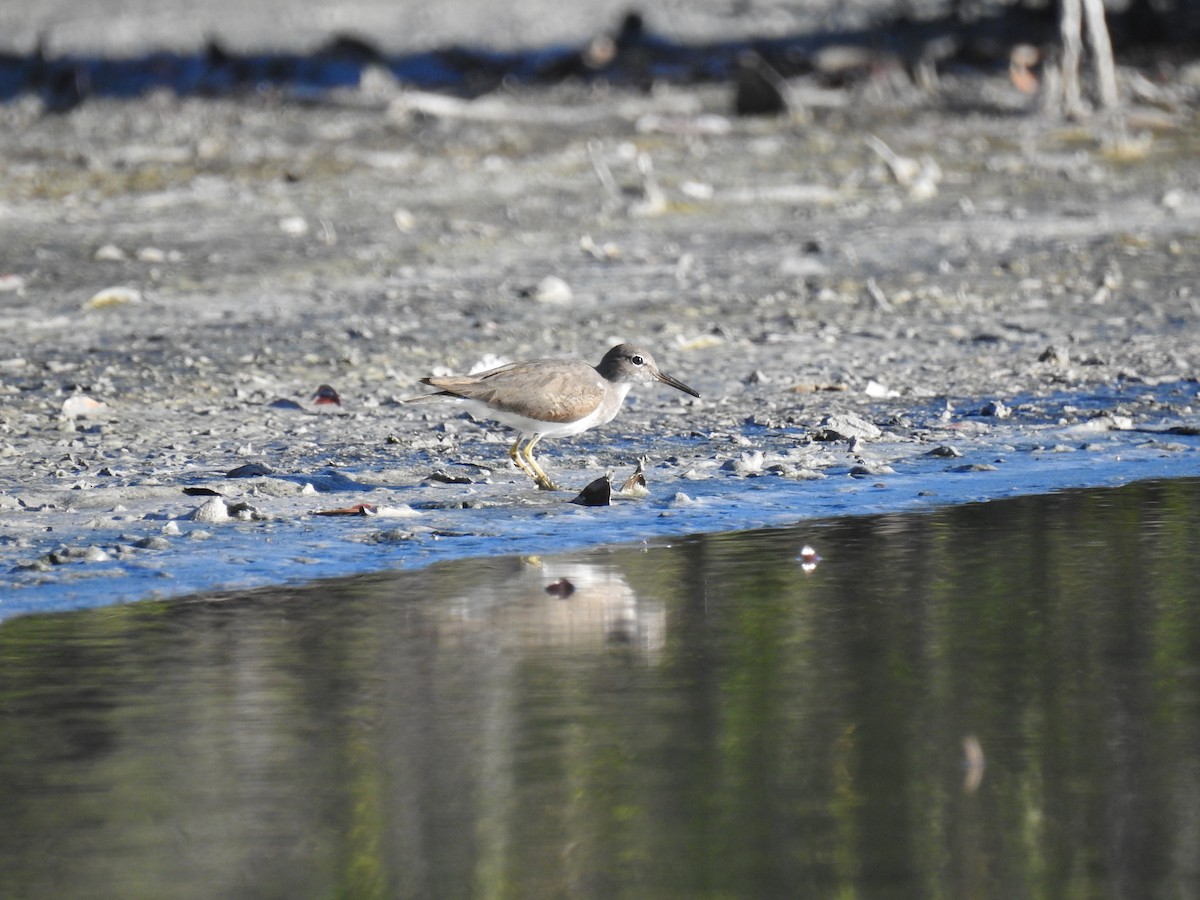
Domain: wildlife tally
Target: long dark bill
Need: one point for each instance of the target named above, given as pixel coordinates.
(675, 383)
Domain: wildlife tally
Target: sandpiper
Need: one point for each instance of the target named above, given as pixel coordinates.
(552, 397)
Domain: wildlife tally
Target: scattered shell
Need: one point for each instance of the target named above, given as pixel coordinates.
(553, 289)
(702, 342)
(113, 296)
(973, 764)
(358, 509)
(296, 226)
(11, 284)
(599, 251)
(561, 588)
(598, 493)
(110, 253)
(326, 395)
(403, 511)
(635, 484)
(1103, 423)
(404, 220)
(151, 255)
(78, 406)
(879, 391)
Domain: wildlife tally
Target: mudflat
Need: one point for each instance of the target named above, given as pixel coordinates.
(933, 270)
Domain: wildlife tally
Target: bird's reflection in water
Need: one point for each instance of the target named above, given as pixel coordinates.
(559, 603)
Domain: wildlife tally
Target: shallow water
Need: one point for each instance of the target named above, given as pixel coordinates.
(695, 720)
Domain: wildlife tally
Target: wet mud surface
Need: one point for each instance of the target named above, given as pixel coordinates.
(1015, 312)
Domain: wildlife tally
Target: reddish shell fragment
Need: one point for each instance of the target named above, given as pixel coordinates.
(358, 509)
(326, 394)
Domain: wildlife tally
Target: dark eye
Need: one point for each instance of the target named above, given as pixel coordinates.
(637, 360)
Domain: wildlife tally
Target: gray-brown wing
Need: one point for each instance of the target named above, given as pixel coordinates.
(550, 390)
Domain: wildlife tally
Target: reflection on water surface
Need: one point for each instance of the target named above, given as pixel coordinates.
(698, 720)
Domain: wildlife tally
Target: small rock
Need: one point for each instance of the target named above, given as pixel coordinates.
(212, 512)
(845, 427)
(243, 511)
(1056, 355)
(442, 477)
(796, 473)
(746, 464)
(154, 542)
(995, 409)
(250, 470)
(95, 554)
(945, 451)
(870, 470)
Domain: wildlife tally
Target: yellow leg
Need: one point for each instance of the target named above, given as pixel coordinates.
(514, 453)
(542, 479)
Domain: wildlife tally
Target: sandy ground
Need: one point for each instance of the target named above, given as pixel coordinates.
(178, 276)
